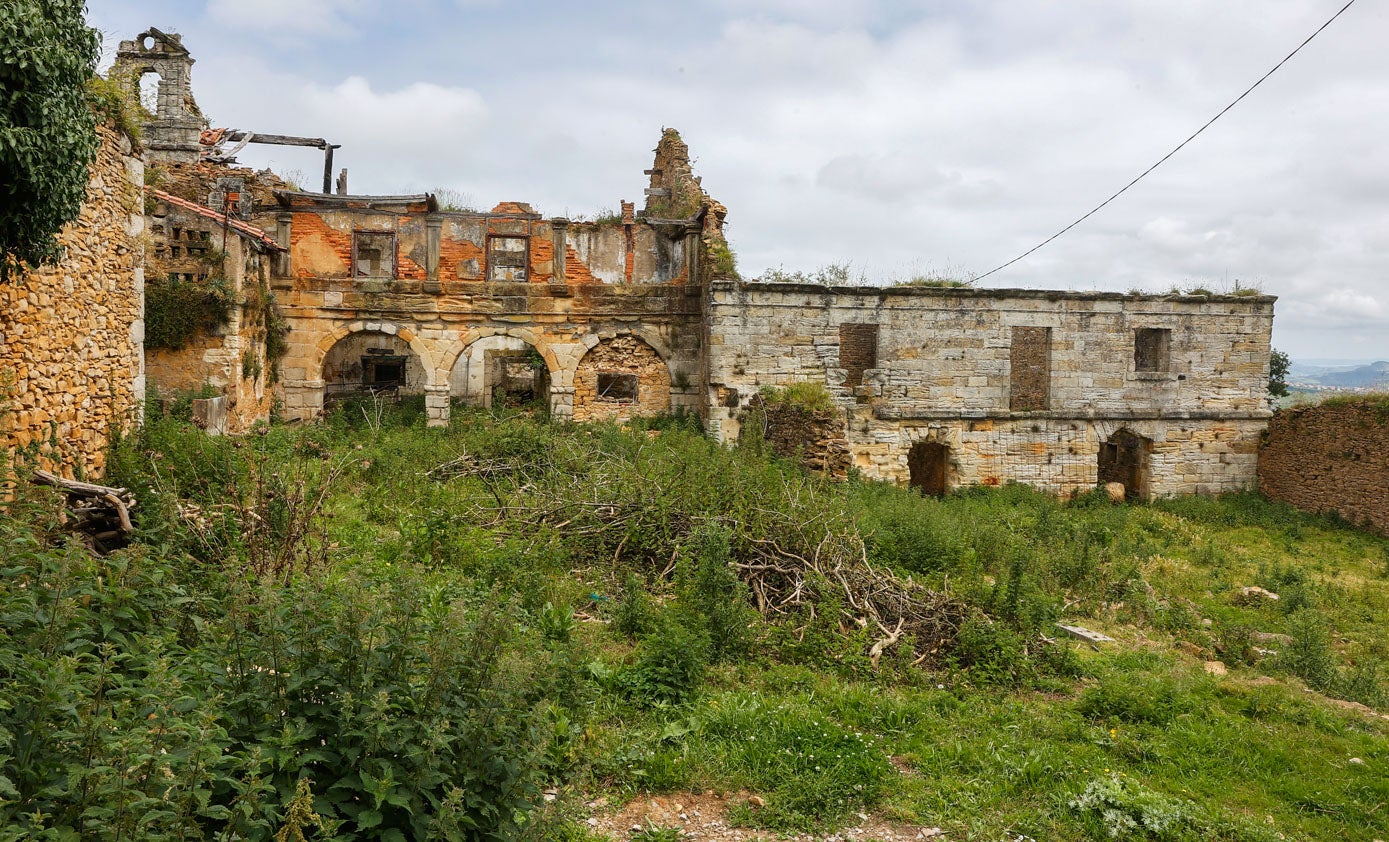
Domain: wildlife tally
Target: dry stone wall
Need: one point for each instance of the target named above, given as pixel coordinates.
(1330, 458)
(71, 335)
(944, 374)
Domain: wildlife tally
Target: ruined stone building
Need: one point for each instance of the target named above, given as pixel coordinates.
(641, 313)
(71, 334)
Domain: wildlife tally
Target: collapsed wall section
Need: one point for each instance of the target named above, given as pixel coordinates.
(71, 335)
(1018, 385)
(1331, 458)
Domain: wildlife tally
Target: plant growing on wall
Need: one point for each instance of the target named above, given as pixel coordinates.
(176, 310)
(47, 129)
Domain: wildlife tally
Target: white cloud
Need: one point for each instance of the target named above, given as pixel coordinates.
(883, 133)
(286, 17)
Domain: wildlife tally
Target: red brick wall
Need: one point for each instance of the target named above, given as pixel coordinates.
(1330, 458)
(858, 351)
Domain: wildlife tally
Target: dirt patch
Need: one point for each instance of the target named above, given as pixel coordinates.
(705, 816)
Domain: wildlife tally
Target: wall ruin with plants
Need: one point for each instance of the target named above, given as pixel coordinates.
(213, 324)
(1333, 457)
(71, 359)
(1186, 374)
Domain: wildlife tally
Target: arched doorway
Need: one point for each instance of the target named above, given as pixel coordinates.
(928, 464)
(501, 371)
(619, 378)
(369, 361)
(1124, 459)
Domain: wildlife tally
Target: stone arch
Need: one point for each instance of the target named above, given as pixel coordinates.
(1125, 458)
(405, 334)
(620, 377)
(500, 364)
(372, 360)
(448, 360)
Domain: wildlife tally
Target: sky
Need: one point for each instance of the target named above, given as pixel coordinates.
(900, 138)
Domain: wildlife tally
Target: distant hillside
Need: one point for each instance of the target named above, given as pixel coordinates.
(1348, 374)
(1364, 376)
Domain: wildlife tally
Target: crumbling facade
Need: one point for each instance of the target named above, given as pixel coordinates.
(71, 334)
(192, 244)
(641, 313)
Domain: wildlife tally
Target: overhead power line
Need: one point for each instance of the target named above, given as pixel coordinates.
(1175, 150)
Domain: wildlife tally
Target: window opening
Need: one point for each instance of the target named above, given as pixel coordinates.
(373, 254)
(616, 386)
(506, 258)
(1152, 349)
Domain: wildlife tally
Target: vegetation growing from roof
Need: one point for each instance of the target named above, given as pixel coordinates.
(47, 126)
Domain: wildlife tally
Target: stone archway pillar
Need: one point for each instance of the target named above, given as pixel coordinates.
(561, 402)
(303, 399)
(436, 405)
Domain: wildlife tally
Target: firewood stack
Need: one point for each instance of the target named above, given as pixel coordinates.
(98, 512)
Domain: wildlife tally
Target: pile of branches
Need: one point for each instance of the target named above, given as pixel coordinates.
(788, 581)
(795, 554)
(99, 513)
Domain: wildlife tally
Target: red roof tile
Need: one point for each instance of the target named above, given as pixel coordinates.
(243, 228)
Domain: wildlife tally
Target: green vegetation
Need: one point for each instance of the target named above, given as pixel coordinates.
(177, 310)
(47, 127)
(1278, 363)
(803, 394)
(371, 629)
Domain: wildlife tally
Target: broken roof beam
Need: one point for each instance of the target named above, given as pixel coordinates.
(279, 139)
(292, 140)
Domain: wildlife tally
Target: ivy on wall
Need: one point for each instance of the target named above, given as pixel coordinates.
(177, 310)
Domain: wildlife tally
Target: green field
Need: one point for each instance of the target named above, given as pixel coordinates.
(370, 629)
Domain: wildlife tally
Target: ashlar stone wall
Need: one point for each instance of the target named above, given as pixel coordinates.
(943, 371)
(71, 335)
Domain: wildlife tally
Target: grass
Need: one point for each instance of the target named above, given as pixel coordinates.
(615, 550)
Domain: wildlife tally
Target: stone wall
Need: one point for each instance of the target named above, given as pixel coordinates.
(436, 299)
(71, 335)
(613, 358)
(190, 242)
(1330, 458)
(945, 374)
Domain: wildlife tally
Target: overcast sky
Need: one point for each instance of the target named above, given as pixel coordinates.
(903, 138)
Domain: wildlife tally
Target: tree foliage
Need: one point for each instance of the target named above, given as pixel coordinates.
(1278, 363)
(47, 130)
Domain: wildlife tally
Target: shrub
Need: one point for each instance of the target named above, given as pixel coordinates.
(712, 591)
(1134, 698)
(176, 311)
(670, 663)
(148, 698)
(635, 614)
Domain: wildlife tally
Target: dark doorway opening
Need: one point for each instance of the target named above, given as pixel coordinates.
(383, 373)
(1124, 459)
(928, 464)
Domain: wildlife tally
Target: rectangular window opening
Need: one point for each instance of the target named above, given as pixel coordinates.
(858, 351)
(1152, 349)
(1029, 386)
(615, 386)
(373, 254)
(506, 258)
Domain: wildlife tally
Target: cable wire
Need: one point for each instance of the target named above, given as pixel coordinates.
(1177, 149)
